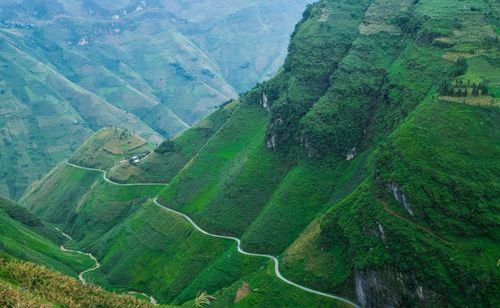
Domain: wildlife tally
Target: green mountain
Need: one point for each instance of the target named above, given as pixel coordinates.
(72, 67)
(368, 166)
(26, 237)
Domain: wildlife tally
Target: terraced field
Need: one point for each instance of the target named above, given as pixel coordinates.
(350, 169)
(71, 67)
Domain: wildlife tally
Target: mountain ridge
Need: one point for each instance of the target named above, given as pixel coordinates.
(352, 165)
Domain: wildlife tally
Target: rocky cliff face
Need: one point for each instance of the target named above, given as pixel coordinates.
(388, 288)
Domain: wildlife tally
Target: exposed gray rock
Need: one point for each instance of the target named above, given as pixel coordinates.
(351, 154)
(400, 197)
(388, 288)
(271, 142)
(381, 230)
(264, 102)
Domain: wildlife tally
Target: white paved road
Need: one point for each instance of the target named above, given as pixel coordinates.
(238, 241)
(273, 258)
(95, 267)
(105, 177)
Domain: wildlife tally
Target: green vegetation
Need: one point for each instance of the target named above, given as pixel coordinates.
(108, 146)
(161, 253)
(172, 155)
(72, 67)
(24, 236)
(268, 291)
(80, 201)
(27, 285)
(348, 165)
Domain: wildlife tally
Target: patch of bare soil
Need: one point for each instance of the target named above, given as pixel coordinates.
(243, 292)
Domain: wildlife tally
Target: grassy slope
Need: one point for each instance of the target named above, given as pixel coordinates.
(177, 252)
(21, 160)
(201, 183)
(50, 81)
(83, 204)
(189, 76)
(172, 155)
(268, 291)
(101, 218)
(80, 201)
(59, 193)
(24, 284)
(45, 117)
(407, 89)
(351, 229)
(166, 256)
(468, 223)
(22, 235)
(447, 151)
(236, 160)
(108, 146)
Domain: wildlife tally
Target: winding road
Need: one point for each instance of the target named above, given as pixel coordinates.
(273, 258)
(95, 267)
(81, 275)
(237, 240)
(105, 177)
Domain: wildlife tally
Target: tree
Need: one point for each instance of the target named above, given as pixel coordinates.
(484, 89)
(444, 88)
(475, 91)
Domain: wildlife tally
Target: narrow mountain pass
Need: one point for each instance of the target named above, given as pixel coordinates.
(95, 267)
(105, 177)
(277, 272)
(273, 258)
(96, 262)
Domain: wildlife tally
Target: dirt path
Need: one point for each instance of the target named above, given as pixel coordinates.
(105, 177)
(152, 300)
(426, 230)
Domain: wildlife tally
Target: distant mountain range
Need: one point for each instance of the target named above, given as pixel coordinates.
(366, 171)
(71, 67)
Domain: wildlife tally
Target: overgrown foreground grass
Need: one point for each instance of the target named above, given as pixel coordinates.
(348, 166)
(24, 284)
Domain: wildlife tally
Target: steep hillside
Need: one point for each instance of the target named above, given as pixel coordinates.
(27, 285)
(391, 65)
(367, 165)
(45, 117)
(82, 202)
(172, 155)
(109, 219)
(72, 67)
(24, 236)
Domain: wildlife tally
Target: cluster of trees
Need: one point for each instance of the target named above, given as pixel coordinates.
(460, 88)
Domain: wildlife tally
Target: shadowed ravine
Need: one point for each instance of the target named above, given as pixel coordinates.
(238, 241)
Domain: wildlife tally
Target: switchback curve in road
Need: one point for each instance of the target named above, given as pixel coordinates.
(273, 258)
(238, 241)
(105, 177)
(95, 267)
(81, 275)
